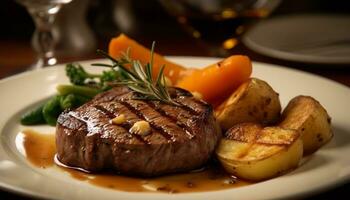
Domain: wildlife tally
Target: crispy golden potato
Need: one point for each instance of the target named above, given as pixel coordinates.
(253, 101)
(254, 153)
(305, 114)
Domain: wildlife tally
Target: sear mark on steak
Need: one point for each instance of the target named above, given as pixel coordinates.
(182, 138)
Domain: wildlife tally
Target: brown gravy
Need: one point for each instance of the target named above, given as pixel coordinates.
(40, 151)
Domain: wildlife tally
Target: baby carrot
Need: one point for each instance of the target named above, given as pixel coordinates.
(214, 83)
(120, 44)
(219, 80)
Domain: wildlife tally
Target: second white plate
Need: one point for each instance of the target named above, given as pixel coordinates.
(308, 38)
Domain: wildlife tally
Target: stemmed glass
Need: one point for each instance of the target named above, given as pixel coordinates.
(218, 24)
(43, 13)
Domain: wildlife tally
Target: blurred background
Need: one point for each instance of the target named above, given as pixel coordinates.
(89, 24)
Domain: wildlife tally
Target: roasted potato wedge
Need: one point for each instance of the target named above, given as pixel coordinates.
(305, 114)
(254, 101)
(252, 152)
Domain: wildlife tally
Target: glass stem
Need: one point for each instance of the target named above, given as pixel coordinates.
(43, 39)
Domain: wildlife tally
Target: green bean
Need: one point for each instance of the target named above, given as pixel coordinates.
(33, 117)
(72, 101)
(51, 110)
(77, 89)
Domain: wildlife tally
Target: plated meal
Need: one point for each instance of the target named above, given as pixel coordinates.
(148, 124)
(150, 117)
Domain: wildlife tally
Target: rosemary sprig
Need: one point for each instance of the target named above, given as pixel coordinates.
(139, 78)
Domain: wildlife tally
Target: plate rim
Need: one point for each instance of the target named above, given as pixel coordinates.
(214, 59)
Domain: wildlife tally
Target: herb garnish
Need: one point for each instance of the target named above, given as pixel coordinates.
(139, 78)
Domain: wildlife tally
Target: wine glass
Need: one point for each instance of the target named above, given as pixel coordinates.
(218, 24)
(43, 13)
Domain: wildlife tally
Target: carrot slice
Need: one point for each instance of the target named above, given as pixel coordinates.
(120, 44)
(219, 80)
(215, 82)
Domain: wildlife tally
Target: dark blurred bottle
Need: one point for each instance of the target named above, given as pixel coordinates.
(75, 38)
(100, 17)
(137, 18)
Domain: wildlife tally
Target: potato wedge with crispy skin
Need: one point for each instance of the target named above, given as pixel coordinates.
(307, 115)
(254, 101)
(252, 152)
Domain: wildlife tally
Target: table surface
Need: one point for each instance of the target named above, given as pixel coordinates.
(16, 56)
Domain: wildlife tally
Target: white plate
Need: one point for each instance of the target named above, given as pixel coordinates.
(326, 168)
(305, 38)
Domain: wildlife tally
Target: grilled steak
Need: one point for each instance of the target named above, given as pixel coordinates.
(182, 137)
